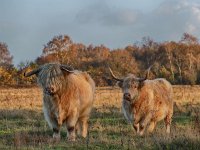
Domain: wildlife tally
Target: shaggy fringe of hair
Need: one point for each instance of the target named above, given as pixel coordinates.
(51, 74)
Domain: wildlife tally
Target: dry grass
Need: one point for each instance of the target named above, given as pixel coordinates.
(22, 125)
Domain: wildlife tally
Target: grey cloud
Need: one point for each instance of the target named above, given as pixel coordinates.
(27, 27)
(171, 19)
(167, 22)
(103, 14)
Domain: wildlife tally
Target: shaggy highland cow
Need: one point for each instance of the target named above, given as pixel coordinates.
(145, 102)
(67, 98)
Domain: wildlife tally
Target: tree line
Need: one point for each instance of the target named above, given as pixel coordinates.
(178, 62)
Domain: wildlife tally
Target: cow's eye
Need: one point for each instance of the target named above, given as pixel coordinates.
(133, 86)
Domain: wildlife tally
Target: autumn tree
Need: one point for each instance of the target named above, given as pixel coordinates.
(22, 67)
(146, 54)
(5, 57)
(6, 68)
(57, 49)
(189, 39)
(95, 61)
(178, 62)
(190, 44)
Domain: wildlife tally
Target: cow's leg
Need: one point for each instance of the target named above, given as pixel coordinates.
(136, 124)
(56, 133)
(84, 122)
(56, 129)
(52, 121)
(82, 126)
(144, 122)
(151, 126)
(168, 120)
(78, 127)
(71, 123)
(137, 127)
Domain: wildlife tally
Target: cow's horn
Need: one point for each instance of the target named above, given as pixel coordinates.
(114, 77)
(147, 74)
(66, 68)
(35, 71)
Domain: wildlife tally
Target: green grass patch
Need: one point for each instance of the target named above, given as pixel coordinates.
(107, 130)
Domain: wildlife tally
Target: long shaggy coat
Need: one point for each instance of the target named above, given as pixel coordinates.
(145, 102)
(67, 98)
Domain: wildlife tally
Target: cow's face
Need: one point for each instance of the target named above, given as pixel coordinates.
(130, 87)
(51, 77)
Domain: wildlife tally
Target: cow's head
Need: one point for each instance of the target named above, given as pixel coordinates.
(130, 85)
(51, 77)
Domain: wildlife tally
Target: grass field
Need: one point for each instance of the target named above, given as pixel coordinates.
(22, 125)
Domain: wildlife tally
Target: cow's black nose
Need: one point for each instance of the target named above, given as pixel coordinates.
(127, 96)
(50, 89)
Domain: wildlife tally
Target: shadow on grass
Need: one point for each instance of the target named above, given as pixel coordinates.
(14, 114)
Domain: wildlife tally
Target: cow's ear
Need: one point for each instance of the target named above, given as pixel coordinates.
(141, 84)
(120, 84)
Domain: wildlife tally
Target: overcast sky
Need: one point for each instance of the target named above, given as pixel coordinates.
(26, 25)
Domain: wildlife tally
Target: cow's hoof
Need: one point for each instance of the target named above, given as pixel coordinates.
(168, 130)
(71, 138)
(84, 135)
(56, 137)
(141, 133)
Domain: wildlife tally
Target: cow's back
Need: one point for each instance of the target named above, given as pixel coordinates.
(162, 97)
(160, 89)
(155, 94)
(79, 92)
(164, 89)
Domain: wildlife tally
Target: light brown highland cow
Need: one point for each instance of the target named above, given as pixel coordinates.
(67, 98)
(145, 102)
